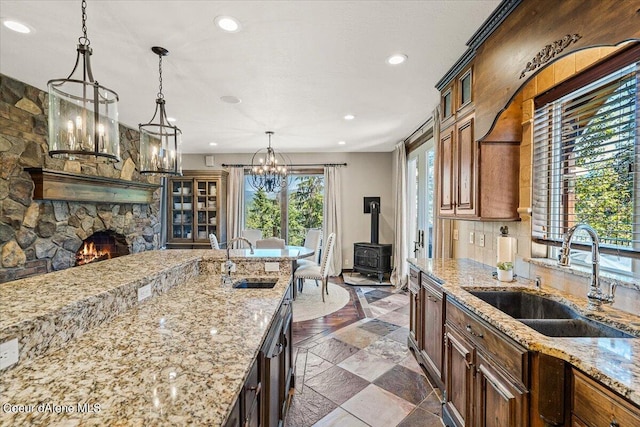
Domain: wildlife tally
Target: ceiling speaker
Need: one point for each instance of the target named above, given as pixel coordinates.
(209, 161)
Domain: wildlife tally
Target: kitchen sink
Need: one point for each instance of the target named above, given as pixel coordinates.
(255, 283)
(549, 317)
(579, 327)
(523, 305)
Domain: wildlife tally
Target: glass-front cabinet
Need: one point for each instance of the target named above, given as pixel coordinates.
(197, 204)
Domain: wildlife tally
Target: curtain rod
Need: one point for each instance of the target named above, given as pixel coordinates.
(241, 165)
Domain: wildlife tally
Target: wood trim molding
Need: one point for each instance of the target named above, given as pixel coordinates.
(58, 185)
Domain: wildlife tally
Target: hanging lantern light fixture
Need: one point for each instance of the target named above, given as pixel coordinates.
(83, 115)
(160, 141)
(268, 169)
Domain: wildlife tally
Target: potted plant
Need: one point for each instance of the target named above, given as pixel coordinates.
(505, 271)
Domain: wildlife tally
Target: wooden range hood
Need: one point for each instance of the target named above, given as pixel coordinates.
(58, 185)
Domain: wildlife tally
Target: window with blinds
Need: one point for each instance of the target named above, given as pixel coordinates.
(585, 163)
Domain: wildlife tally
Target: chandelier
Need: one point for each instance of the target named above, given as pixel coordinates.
(268, 169)
(83, 115)
(160, 142)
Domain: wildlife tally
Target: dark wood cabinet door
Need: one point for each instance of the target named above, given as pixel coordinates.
(459, 372)
(234, 419)
(415, 307)
(498, 402)
(466, 170)
(446, 150)
(432, 330)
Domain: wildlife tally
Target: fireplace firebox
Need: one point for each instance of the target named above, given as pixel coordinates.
(100, 246)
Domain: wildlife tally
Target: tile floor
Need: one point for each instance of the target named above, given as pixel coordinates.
(364, 374)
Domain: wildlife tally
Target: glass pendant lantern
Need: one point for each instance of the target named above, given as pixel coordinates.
(160, 150)
(83, 115)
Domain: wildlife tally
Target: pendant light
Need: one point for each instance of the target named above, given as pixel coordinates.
(268, 169)
(160, 141)
(83, 115)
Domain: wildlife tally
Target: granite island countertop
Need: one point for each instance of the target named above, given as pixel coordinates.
(180, 357)
(613, 361)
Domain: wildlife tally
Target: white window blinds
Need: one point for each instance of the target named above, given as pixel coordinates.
(585, 162)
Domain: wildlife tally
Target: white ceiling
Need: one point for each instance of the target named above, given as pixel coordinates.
(298, 66)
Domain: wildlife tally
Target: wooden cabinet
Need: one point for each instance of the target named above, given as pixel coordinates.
(433, 329)
(594, 405)
(196, 208)
(486, 374)
(415, 312)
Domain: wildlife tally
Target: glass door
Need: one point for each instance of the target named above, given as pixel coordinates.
(181, 209)
(421, 200)
(206, 209)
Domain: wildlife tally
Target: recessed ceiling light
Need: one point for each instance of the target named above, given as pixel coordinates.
(213, 143)
(396, 59)
(230, 99)
(227, 23)
(171, 119)
(349, 117)
(17, 27)
(341, 142)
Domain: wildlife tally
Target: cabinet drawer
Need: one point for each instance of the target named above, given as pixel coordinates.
(252, 389)
(414, 280)
(597, 406)
(509, 355)
(432, 286)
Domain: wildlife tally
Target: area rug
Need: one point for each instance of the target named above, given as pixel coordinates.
(357, 279)
(308, 304)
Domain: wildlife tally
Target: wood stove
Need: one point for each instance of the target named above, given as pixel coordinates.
(373, 257)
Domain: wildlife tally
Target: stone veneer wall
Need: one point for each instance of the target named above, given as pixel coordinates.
(38, 236)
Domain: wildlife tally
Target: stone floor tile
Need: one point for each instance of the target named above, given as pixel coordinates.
(420, 418)
(307, 408)
(376, 295)
(356, 337)
(378, 407)
(337, 384)
(396, 317)
(366, 365)
(411, 363)
(340, 418)
(432, 404)
(334, 351)
(405, 383)
(387, 304)
(400, 335)
(379, 327)
(389, 349)
(315, 365)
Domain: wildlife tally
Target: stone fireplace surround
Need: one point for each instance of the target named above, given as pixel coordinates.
(39, 236)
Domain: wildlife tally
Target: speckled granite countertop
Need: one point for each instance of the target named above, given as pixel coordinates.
(613, 361)
(180, 357)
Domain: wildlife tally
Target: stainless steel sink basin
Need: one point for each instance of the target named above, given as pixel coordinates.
(547, 316)
(580, 327)
(255, 283)
(522, 305)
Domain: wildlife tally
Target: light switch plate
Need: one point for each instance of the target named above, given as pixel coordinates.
(481, 240)
(271, 266)
(455, 234)
(144, 292)
(471, 238)
(8, 353)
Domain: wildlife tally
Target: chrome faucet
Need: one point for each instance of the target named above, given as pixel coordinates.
(229, 265)
(595, 297)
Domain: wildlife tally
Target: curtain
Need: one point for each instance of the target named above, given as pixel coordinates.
(332, 215)
(400, 267)
(235, 203)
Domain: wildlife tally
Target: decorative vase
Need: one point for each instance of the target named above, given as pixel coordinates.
(505, 275)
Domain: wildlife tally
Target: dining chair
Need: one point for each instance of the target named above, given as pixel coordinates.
(214, 241)
(313, 241)
(270, 243)
(252, 235)
(318, 272)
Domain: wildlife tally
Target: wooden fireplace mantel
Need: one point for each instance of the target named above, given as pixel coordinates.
(59, 185)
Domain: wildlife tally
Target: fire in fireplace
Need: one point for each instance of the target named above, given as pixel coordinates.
(100, 246)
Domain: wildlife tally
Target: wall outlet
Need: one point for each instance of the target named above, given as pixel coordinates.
(271, 266)
(455, 234)
(471, 239)
(346, 261)
(8, 353)
(481, 240)
(223, 269)
(144, 292)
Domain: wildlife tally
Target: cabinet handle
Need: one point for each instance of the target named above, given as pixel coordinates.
(257, 388)
(479, 334)
(614, 423)
(279, 349)
(433, 299)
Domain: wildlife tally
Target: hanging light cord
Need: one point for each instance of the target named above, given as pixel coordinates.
(160, 95)
(84, 40)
